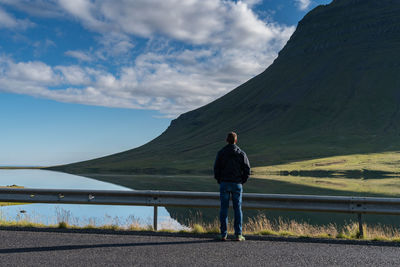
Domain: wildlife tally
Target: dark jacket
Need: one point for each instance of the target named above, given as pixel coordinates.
(231, 165)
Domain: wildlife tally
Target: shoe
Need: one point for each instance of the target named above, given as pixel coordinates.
(224, 237)
(240, 238)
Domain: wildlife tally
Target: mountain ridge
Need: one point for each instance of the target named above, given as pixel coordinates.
(332, 90)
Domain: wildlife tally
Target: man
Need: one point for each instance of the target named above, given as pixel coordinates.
(231, 169)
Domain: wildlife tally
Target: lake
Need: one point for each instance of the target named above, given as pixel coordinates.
(76, 214)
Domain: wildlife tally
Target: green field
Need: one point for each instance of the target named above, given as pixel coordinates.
(375, 164)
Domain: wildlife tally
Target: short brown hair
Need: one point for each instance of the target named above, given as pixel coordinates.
(231, 138)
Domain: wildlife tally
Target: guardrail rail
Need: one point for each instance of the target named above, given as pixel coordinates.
(312, 203)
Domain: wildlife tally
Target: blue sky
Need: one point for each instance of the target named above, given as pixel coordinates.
(81, 79)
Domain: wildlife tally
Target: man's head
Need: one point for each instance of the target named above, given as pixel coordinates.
(231, 138)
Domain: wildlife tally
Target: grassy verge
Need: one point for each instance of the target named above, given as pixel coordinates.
(260, 226)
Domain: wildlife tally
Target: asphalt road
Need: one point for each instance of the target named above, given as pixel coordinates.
(44, 248)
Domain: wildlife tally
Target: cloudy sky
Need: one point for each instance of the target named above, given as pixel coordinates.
(86, 78)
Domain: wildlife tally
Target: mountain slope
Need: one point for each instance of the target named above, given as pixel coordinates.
(334, 89)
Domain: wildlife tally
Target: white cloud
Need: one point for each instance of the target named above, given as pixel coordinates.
(114, 45)
(83, 10)
(252, 2)
(303, 4)
(199, 22)
(80, 55)
(171, 83)
(43, 8)
(31, 72)
(221, 45)
(8, 21)
(74, 75)
(190, 21)
(42, 47)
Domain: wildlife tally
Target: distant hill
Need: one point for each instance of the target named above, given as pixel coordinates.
(333, 90)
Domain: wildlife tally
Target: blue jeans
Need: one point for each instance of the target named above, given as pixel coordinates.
(225, 190)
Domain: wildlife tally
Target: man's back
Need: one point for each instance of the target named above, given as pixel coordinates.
(231, 165)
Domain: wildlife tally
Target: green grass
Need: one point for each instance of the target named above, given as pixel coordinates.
(388, 187)
(387, 163)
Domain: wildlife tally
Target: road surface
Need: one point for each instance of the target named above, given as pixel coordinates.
(52, 248)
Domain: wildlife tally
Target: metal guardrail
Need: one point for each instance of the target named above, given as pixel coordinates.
(337, 204)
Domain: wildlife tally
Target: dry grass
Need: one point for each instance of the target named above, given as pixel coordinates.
(256, 226)
(263, 226)
(382, 232)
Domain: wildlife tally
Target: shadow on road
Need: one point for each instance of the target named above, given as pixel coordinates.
(201, 238)
(73, 247)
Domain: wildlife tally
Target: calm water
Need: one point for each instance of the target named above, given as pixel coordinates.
(79, 215)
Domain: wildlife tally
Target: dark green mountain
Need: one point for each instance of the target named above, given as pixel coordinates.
(334, 89)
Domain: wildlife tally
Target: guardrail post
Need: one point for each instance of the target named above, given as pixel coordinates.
(360, 226)
(155, 218)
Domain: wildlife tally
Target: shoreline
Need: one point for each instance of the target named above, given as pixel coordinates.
(21, 168)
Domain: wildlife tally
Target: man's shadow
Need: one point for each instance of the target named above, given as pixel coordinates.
(114, 245)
